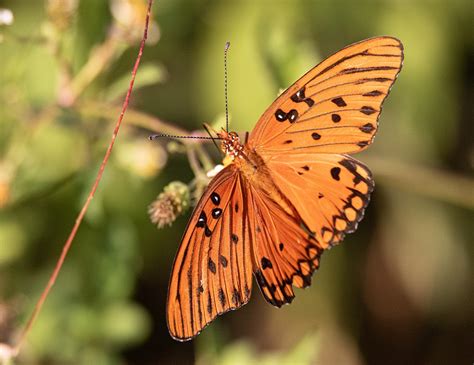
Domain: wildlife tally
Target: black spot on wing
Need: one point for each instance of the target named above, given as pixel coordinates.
(339, 102)
(266, 263)
(299, 97)
(223, 261)
(376, 79)
(209, 303)
(367, 110)
(367, 128)
(335, 171)
(353, 70)
(216, 213)
(211, 265)
(202, 220)
(236, 299)
(221, 297)
(292, 115)
(280, 115)
(215, 198)
(373, 93)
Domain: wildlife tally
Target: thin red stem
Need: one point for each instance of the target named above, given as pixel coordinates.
(83, 211)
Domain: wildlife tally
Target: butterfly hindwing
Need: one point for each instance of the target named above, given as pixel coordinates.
(334, 108)
(285, 253)
(329, 191)
(212, 272)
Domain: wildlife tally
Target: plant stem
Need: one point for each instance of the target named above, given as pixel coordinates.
(16, 349)
(431, 182)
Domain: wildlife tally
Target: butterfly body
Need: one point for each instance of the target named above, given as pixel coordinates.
(252, 168)
(290, 192)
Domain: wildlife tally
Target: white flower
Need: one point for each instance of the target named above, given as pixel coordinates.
(215, 170)
(6, 17)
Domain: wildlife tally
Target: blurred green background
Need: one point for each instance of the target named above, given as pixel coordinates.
(398, 291)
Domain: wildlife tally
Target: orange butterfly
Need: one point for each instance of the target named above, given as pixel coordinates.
(290, 192)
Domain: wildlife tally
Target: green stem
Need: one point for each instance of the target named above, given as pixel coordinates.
(100, 57)
(134, 117)
(206, 161)
(430, 182)
(194, 163)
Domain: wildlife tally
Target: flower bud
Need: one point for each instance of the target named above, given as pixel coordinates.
(170, 204)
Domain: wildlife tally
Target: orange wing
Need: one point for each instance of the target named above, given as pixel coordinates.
(334, 108)
(212, 271)
(329, 191)
(284, 253)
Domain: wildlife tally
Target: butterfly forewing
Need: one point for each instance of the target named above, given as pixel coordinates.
(212, 272)
(333, 108)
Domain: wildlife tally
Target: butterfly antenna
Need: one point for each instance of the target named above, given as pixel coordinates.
(226, 48)
(207, 128)
(155, 136)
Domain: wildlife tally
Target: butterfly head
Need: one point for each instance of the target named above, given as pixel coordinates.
(230, 143)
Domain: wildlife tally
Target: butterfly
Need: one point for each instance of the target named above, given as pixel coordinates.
(290, 192)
